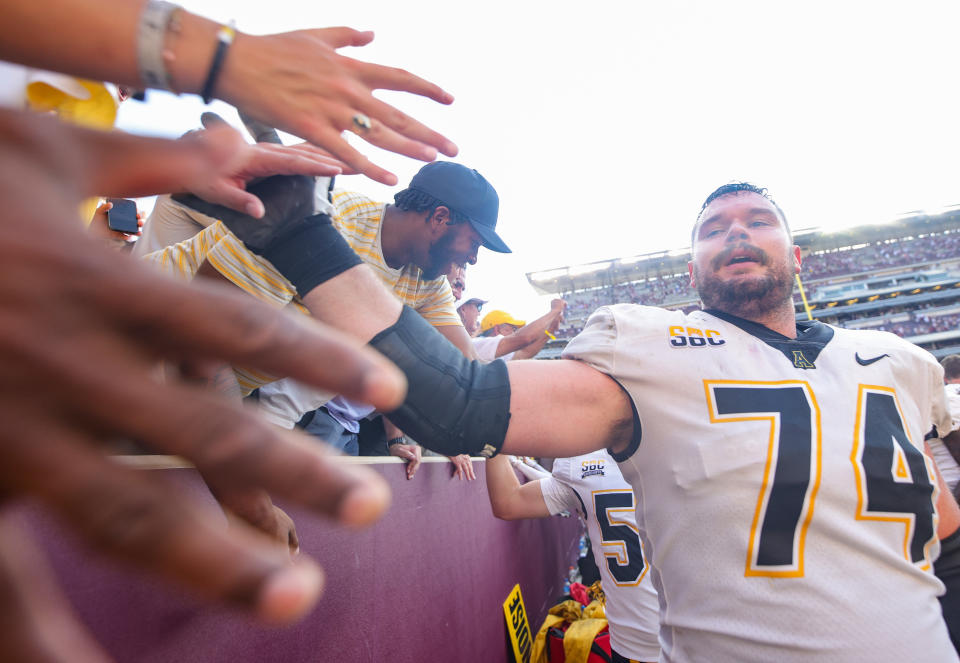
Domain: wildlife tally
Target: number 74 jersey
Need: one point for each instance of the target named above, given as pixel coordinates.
(786, 505)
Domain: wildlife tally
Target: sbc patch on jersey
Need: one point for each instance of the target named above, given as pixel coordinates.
(592, 467)
(692, 337)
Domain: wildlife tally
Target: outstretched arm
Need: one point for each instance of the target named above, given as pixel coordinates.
(527, 341)
(508, 499)
(565, 408)
(295, 81)
(454, 405)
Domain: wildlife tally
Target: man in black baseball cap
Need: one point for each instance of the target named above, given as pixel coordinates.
(465, 192)
(442, 218)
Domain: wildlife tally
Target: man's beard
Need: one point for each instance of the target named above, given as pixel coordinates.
(441, 258)
(745, 297)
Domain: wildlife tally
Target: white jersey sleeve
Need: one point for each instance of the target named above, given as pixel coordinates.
(596, 345)
(558, 496)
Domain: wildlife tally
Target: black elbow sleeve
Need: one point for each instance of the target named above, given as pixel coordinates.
(453, 405)
(305, 247)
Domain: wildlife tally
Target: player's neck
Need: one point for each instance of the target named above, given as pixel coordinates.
(781, 320)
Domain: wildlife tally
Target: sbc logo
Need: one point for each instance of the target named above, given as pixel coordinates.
(589, 468)
(692, 337)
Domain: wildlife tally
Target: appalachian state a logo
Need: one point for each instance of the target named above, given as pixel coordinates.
(799, 361)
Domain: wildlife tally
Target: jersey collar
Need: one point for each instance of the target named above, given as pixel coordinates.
(802, 351)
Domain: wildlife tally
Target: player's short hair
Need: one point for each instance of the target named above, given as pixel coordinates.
(412, 200)
(951, 367)
(734, 188)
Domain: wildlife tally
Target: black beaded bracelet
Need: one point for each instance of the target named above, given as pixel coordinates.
(396, 440)
(225, 36)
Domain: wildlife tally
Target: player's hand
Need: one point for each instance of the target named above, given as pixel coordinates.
(81, 331)
(463, 467)
(297, 82)
(410, 453)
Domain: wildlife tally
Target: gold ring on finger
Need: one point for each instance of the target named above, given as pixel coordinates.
(361, 124)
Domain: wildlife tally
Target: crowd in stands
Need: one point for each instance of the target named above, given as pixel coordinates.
(882, 255)
(923, 324)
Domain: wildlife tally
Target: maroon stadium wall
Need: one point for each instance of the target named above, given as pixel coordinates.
(427, 583)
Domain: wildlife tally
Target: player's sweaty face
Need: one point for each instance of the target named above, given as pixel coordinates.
(743, 258)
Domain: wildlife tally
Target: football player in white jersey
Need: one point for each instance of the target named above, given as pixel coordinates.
(593, 486)
(787, 504)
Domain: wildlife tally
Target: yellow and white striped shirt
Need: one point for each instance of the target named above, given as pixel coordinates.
(359, 220)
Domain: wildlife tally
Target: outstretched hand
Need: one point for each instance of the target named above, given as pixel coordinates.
(214, 164)
(81, 331)
(297, 82)
(248, 162)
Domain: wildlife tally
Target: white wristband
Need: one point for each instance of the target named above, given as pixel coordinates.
(151, 34)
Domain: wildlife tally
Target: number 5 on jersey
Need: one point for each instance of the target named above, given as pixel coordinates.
(620, 540)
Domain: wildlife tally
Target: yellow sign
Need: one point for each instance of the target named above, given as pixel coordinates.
(518, 626)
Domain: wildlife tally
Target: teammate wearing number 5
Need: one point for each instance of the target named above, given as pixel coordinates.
(593, 486)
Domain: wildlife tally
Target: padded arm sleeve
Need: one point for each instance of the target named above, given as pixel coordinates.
(454, 405)
(304, 247)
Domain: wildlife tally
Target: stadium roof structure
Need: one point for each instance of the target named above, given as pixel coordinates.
(664, 264)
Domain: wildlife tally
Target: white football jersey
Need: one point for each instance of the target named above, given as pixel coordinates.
(593, 486)
(783, 497)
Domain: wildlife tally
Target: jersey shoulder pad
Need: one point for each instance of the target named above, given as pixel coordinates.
(597, 343)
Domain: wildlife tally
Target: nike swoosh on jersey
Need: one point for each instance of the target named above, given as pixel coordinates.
(867, 362)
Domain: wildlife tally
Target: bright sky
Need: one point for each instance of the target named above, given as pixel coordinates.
(604, 124)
